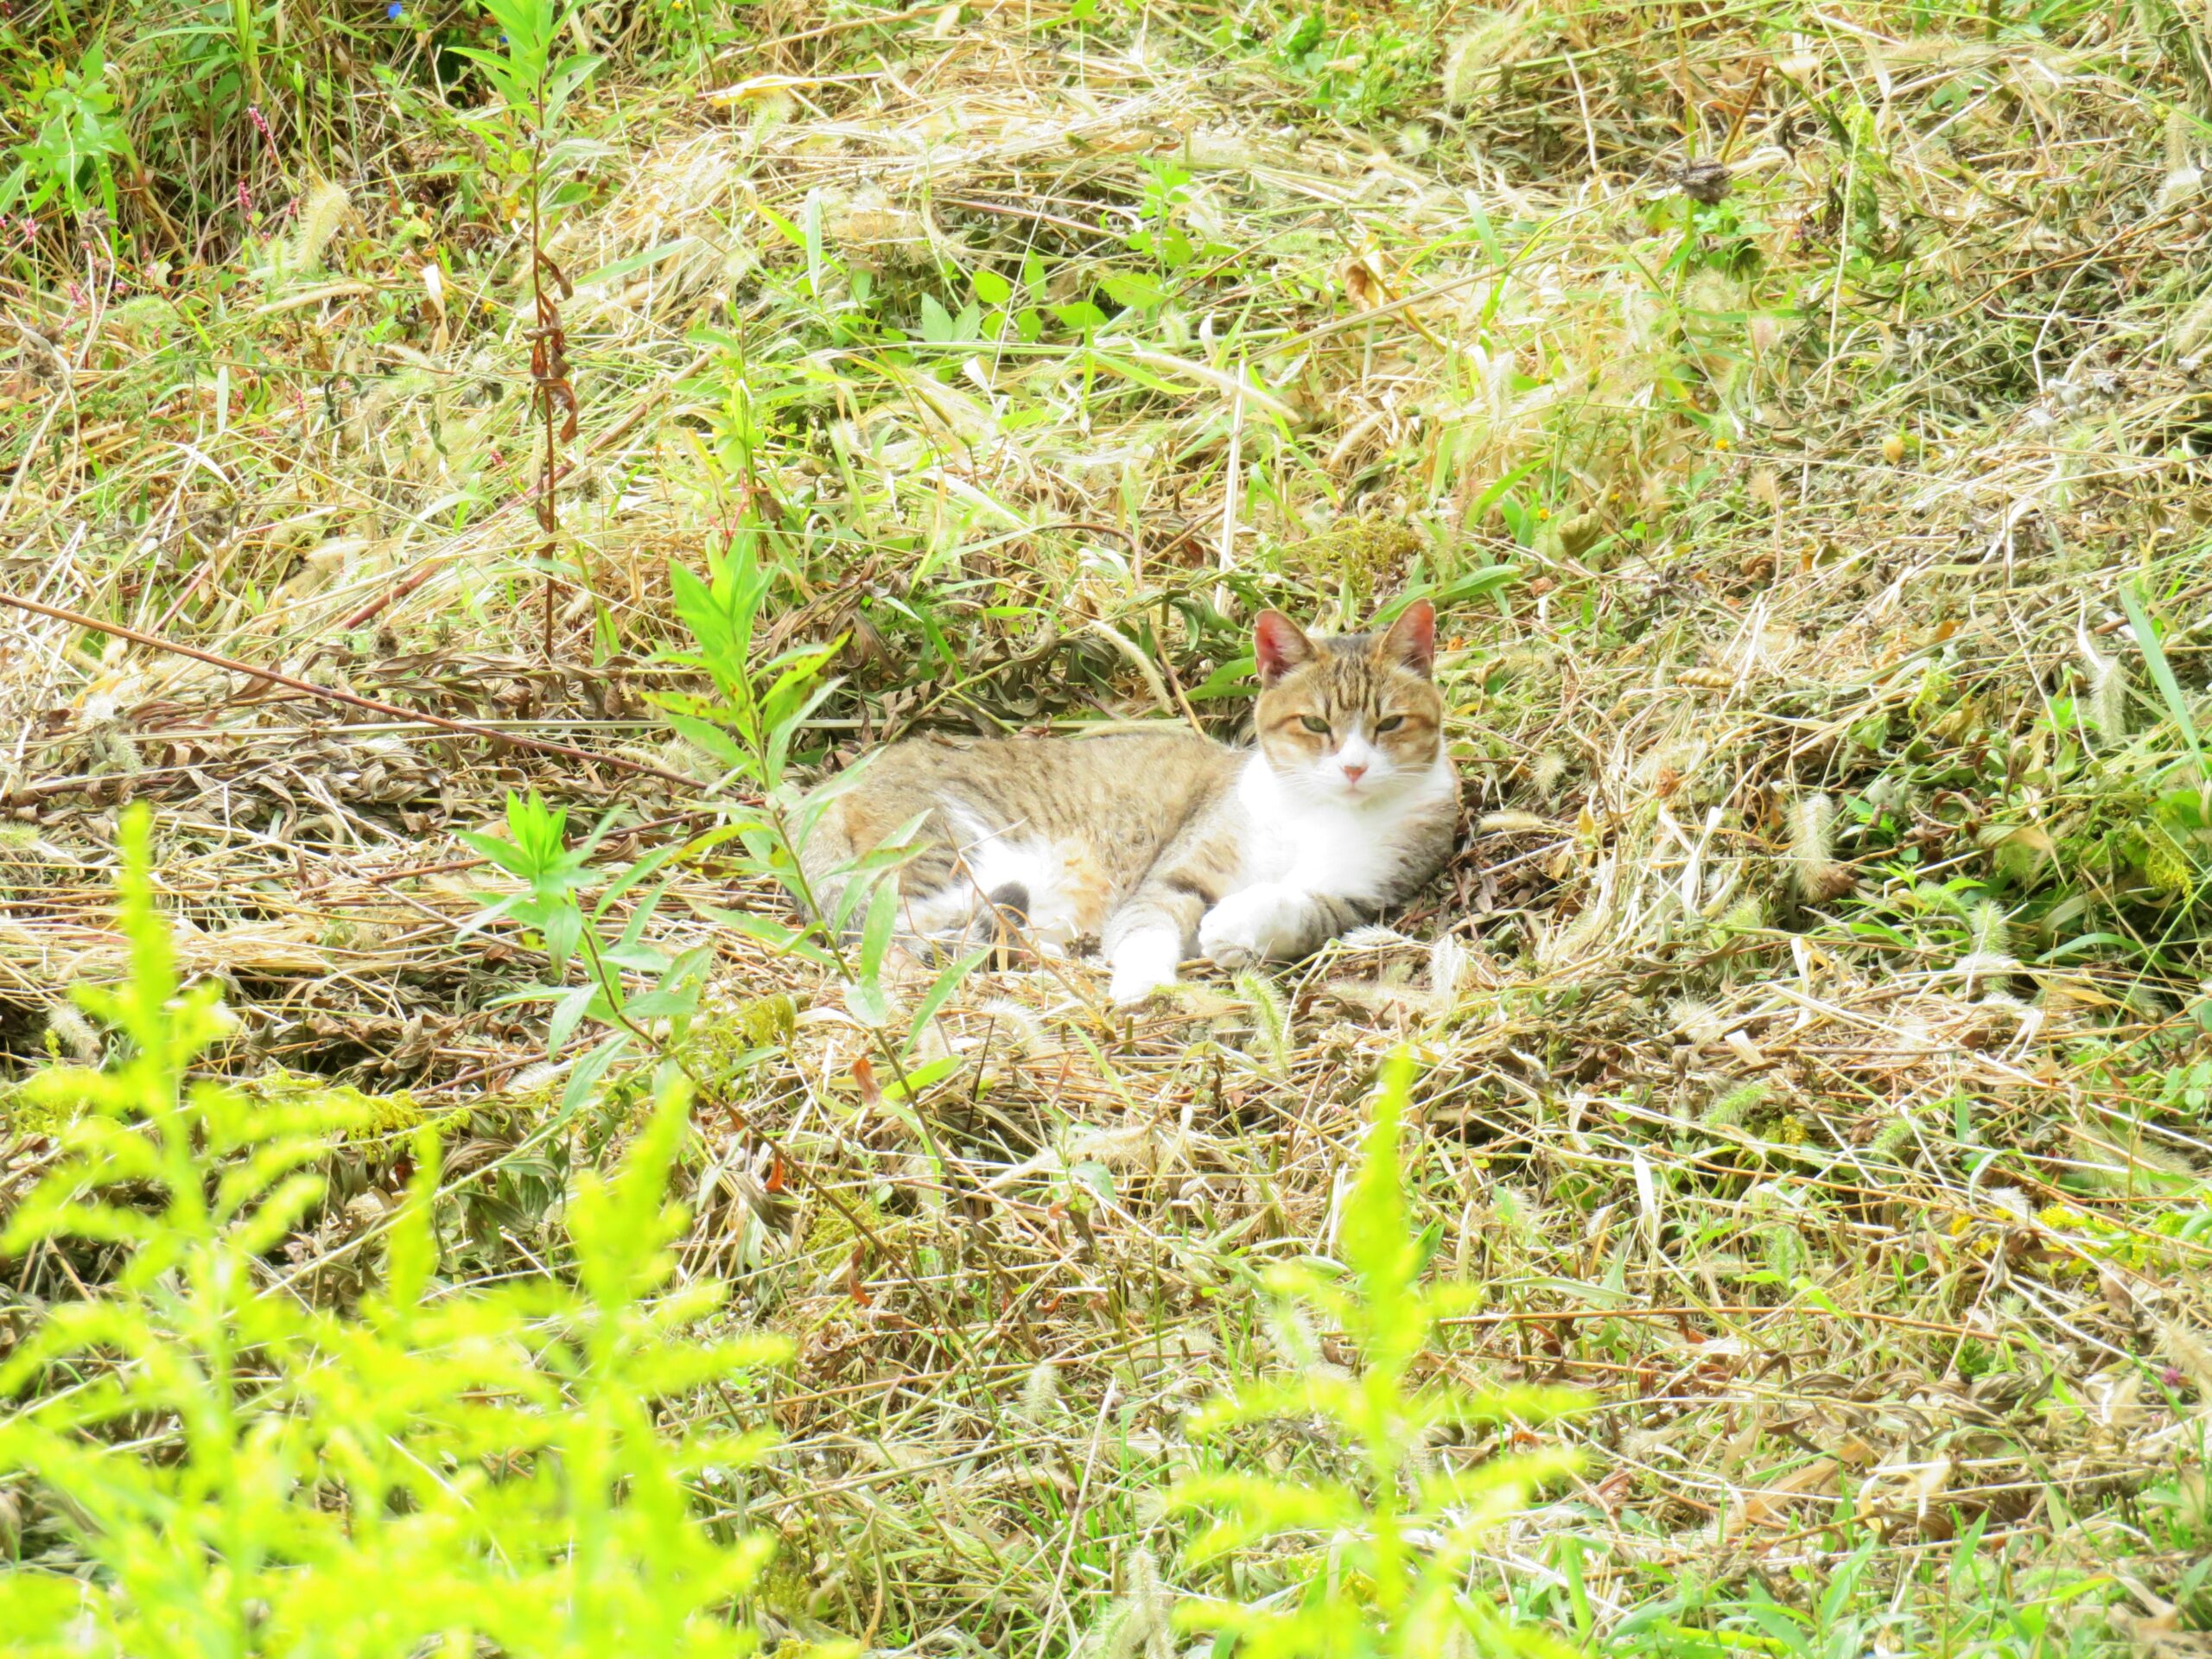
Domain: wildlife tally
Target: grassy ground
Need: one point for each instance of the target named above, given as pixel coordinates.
(1798, 414)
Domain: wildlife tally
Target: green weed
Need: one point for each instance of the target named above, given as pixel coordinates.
(1375, 1560)
(446, 1468)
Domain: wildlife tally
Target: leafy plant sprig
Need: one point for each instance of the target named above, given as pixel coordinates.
(555, 877)
(536, 87)
(750, 724)
(1379, 1555)
(493, 1452)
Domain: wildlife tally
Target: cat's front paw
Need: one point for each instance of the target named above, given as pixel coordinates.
(1142, 964)
(1251, 926)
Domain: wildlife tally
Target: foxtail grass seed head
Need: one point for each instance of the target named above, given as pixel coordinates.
(327, 206)
(1715, 292)
(112, 750)
(67, 1029)
(1938, 900)
(1512, 1209)
(1447, 967)
(1989, 944)
(1493, 44)
(1813, 865)
(2107, 703)
(2183, 179)
(1012, 1025)
(1422, 1461)
(1270, 1019)
(2189, 1352)
(532, 1078)
(771, 110)
(1730, 1109)
(1993, 934)
(1041, 1394)
(1784, 1251)
(2193, 328)
(1696, 1020)
(1296, 1345)
(1746, 915)
(1463, 72)
(2182, 185)
(1891, 1139)
(1141, 1623)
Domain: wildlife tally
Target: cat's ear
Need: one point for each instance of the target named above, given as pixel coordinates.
(1412, 639)
(1280, 645)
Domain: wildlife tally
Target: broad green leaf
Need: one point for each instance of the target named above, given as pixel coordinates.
(777, 936)
(920, 1079)
(817, 263)
(2162, 675)
(587, 1074)
(568, 1015)
(564, 931)
(1133, 289)
(869, 1004)
(941, 989)
(882, 920)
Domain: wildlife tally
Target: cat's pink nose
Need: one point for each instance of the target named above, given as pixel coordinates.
(1353, 774)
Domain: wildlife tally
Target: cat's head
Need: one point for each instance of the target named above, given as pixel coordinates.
(1351, 716)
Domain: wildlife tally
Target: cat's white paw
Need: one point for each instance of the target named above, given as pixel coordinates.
(1249, 926)
(1142, 964)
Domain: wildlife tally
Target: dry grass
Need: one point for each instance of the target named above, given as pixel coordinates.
(1852, 1200)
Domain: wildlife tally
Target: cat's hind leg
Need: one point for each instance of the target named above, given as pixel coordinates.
(961, 887)
(963, 918)
(851, 827)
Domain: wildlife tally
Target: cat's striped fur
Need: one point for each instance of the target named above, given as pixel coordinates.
(1166, 845)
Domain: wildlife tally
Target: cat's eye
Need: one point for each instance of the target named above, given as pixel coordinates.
(1388, 724)
(1315, 724)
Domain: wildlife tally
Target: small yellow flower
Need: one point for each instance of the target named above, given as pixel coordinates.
(1721, 443)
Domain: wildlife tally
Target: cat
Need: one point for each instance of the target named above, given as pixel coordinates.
(1166, 845)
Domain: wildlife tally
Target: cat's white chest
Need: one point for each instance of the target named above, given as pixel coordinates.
(1313, 846)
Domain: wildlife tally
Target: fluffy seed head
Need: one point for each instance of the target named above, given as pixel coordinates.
(1812, 849)
(327, 206)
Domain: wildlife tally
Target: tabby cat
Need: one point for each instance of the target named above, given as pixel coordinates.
(1166, 845)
